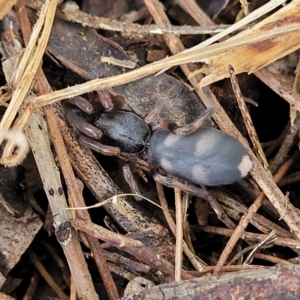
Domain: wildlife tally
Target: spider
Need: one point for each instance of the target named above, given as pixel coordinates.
(200, 155)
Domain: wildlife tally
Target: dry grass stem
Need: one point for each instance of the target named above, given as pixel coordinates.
(270, 238)
(131, 246)
(260, 53)
(22, 79)
(179, 234)
(253, 209)
(258, 13)
(253, 237)
(76, 199)
(178, 59)
(18, 139)
(196, 262)
(6, 6)
(47, 277)
(72, 12)
(247, 119)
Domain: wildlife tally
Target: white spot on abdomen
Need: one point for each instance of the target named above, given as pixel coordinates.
(205, 144)
(245, 165)
(171, 139)
(166, 165)
(198, 174)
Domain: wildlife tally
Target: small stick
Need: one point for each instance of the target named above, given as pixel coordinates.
(245, 6)
(129, 245)
(269, 79)
(192, 7)
(196, 262)
(253, 237)
(43, 272)
(271, 237)
(72, 12)
(179, 234)
(75, 195)
(251, 211)
(34, 281)
(273, 259)
(286, 145)
(51, 178)
(201, 193)
(247, 119)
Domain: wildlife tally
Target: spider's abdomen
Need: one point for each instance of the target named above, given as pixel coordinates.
(208, 156)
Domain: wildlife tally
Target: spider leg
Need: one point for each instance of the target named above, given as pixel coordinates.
(98, 147)
(83, 126)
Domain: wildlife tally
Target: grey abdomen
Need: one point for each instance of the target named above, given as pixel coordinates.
(208, 156)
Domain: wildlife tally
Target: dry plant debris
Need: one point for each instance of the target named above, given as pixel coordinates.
(53, 51)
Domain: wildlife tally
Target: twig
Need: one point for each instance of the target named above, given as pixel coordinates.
(196, 12)
(179, 234)
(253, 237)
(178, 59)
(46, 275)
(247, 118)
(75, 194)
(196, 262)
(37, 133)
(131, 246)
(270, 238)
(273, 259)
(286, 146)
(277, 86)
(72, 12)
(34, 281)
(36, 130)
(251, 211)
(23, 76)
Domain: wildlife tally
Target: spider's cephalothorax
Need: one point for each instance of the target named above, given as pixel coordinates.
(130, 133)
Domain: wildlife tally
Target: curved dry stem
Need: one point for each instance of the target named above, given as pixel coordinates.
(19, 144)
